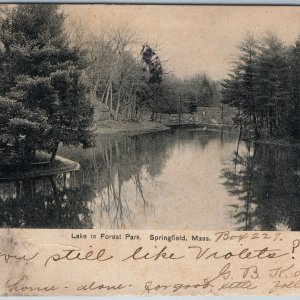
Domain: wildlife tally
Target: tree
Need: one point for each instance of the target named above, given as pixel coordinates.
(293, 107)
(17, 122)
(153, 76)
(41, 74)
(263, 86)
(200, 90)
(114, 73)
(272, 70)
(168, 95)
(241, 89)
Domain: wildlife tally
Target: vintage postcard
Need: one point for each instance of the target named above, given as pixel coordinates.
(149, 149)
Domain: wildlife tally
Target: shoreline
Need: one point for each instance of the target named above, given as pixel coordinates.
(65, 165)
(113, 127)
(133, 128)
(60, 165)
(275, 142)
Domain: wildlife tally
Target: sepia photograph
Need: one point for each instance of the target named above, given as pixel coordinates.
(168, 117)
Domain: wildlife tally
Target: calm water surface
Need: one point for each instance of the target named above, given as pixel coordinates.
(181, 179)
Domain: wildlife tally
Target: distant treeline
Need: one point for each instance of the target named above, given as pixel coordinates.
(129, 77)
(264, 86)
(187, 95)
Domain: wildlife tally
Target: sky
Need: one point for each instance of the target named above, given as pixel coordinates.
(192, 39)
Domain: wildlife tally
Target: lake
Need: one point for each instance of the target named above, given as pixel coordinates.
(174, 179)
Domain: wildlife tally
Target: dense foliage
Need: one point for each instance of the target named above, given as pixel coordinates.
(42, 99)
(265, 87)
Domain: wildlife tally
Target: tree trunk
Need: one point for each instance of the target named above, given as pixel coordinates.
(222, 115)
(111, 99)
(271, 121)
(29, 155)
(118, 104)
(107, 90)
(94, 95)
(180, 108)
(53, 153)
(257, 134)
(129, 117)
(152, 114)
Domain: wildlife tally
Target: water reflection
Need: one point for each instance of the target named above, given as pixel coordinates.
(119, 168)
(163, 180)
(45, 203)
(115, 188)
(266, 181)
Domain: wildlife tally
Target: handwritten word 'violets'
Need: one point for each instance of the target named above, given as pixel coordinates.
(245, 253)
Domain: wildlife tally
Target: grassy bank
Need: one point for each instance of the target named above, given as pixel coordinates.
(113, 127)
(203, 116)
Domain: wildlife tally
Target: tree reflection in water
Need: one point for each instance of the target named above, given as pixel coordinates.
(266, 180)
(109, 190)
(45, 203)
(119, 167)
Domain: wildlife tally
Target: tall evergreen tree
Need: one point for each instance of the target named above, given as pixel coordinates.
(272, 82)
(40, 73)
(240, 90)
(293, 108)
(264, 86)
